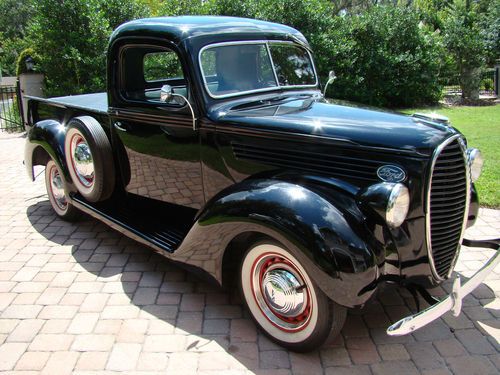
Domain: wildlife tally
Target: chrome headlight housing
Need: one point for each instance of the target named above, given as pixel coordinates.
(475, 162)
(391, 201)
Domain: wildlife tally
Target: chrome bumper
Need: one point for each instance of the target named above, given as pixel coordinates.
(451, 303)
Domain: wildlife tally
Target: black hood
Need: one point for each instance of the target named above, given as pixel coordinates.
(344, 123)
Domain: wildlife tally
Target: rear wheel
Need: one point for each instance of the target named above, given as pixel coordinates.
(284, 301)
(54, 182)
(89, 158)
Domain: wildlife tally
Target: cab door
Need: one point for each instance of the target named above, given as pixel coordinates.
(161, 145)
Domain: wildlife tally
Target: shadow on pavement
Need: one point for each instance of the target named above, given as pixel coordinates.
(213, 319)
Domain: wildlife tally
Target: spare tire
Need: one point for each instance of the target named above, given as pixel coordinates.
(89, 158)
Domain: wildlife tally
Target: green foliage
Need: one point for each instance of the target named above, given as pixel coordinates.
(384, 57)
(71, 38)
(14, 18)
(465, 44)
(490, 30)
(119, 11)
(21, 60)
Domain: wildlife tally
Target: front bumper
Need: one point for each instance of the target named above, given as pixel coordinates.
(454, 301)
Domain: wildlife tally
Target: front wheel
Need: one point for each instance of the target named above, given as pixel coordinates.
(284, 301)
(54, 182)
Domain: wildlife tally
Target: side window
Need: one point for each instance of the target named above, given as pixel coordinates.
(162, 66)
(145, 69)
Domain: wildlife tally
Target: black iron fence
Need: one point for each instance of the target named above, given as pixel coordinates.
(10, 108)
(488, 81)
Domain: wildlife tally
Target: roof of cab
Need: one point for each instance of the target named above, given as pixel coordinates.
(180, 28)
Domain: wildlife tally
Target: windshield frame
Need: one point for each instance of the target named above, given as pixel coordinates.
(265, 89)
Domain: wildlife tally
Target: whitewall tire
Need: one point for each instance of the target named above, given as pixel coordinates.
(284, 301)
(54, 182)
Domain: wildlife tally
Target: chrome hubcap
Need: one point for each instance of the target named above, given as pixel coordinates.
(280, 292)
(82, 160)
(57, 188)
(283, 292)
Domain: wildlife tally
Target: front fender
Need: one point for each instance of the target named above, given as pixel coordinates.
(48, 135)
(329, 240)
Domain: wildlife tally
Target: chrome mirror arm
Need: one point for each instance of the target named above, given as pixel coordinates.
(166, 94)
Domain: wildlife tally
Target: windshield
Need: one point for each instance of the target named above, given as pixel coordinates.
(235, 68)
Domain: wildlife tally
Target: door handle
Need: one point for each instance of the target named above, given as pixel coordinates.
(118, 126)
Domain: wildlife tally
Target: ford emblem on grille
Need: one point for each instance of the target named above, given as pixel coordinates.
(391, 173)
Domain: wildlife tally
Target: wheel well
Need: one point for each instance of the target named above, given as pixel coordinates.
(234, 253)
(40, 156)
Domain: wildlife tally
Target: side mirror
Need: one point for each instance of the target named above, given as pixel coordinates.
(331, 77)
(166, 93)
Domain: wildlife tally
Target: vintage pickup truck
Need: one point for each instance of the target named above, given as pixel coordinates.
(215, 146)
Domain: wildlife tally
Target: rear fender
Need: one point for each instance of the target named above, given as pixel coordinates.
(46, 135)
(324, 236)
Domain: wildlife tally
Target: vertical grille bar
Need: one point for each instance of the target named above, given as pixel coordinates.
(447, 205)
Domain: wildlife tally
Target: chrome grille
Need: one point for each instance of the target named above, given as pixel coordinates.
(447, 205)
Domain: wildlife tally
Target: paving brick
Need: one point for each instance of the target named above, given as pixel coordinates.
(471, 365)
(350, 370)
(393, 352)
(83, 323)
(51, 342)
(145, 296)
(9, 354)
(92, 361)
(58, 312)
(274, 359)
(93, 342)
(362, 351)
(394, 367)
(182, 363)
(450, 347)
(132, 331)
(26, 330)
(425, 356)
(474, 342)
(94, 303)
(189, 323)
(21, 312)
(243, 330)
(335, 356)
(152, 362)
(165, 343)
(32, 361)
(123, 357)
(308, 363)
(60, 363)
(216, 326)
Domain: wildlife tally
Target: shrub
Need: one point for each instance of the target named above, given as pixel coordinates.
(21, 61)
(71, 39)
(384, 57)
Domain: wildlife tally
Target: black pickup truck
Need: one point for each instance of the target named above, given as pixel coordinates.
(215, 147)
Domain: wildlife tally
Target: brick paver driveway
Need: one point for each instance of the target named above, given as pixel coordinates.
(82, 298)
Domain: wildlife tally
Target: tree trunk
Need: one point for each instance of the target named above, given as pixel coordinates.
(470, 82)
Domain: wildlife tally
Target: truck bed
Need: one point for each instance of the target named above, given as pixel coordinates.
(92, 102)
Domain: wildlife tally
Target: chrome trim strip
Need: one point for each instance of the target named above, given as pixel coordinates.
(452, 302)
(435, 156)
(266, 43)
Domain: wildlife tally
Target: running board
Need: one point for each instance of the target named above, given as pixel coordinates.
(153, 223)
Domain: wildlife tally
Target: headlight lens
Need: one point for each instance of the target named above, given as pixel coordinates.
(475, 160)
(397, 205)
(390, 201)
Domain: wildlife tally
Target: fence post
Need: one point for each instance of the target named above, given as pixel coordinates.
(496, 82)
(19, 99)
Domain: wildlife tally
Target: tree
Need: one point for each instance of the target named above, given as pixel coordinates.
(463, 39)
(14, 18)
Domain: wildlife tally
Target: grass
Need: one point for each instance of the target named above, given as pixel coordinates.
(481, 127)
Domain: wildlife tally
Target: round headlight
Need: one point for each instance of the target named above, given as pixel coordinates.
(390, 201)
(397, 205)
(475, 160)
